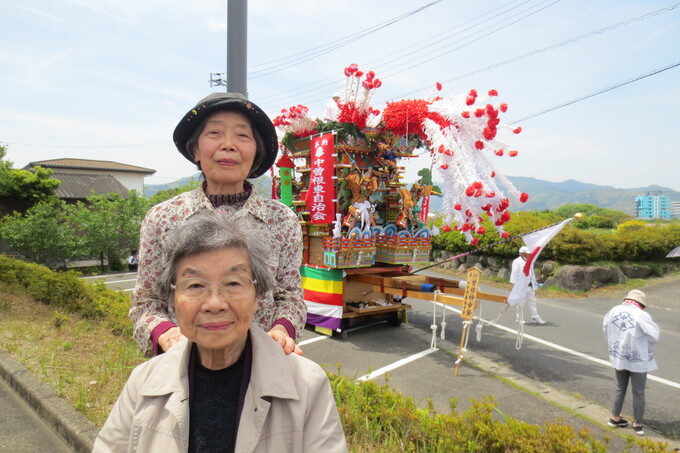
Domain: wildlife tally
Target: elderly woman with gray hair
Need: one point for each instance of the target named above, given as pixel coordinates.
(225, 386)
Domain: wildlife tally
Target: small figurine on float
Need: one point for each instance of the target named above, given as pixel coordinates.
(362, 186)
(410, 199)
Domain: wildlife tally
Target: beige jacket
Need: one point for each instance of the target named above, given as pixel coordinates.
(288, 407)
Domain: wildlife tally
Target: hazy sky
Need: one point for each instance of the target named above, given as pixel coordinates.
(110, 79)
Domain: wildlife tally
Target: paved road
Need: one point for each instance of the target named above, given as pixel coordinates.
(122, 282)
(21, 430)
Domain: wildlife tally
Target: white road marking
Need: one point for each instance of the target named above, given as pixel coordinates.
(397, 364)
(383, 370)
(313, 340)
(567, 350)
(324, 337)
(102, 276)
(119, 281)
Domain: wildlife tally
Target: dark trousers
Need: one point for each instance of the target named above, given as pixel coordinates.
(638, 382)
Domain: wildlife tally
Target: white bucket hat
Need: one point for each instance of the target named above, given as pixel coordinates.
(637, 296)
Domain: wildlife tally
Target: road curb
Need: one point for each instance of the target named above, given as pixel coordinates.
(70, 425)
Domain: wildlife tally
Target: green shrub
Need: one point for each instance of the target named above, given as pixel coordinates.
(66, 291)
(632, 225)
(632, 240)
(576, 247)
(377, 418)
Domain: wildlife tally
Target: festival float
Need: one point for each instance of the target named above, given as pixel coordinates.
(365, 230)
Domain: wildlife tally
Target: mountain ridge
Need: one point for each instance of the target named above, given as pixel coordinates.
(543, 195)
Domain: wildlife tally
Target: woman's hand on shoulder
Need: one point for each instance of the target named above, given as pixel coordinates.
(169, 337)
(280, 335)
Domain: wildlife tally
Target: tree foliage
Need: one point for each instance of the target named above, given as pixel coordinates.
(41, 235)
(593, 216)
(24, 187)
(106, 227)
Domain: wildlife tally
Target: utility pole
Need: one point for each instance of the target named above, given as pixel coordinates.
(237, 46)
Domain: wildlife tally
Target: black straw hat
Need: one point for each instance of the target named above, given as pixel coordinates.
(229, 101)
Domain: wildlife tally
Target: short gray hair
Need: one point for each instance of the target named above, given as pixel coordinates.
(260, 151)
(210, 232)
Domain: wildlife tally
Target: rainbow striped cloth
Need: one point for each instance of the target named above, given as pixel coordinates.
(323, 296)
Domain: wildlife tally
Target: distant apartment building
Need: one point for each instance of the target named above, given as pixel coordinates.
(675, 209)
(654, 205)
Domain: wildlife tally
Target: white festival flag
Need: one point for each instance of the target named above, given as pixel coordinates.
(535, 242)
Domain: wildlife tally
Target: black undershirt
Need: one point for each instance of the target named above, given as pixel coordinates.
(237, 199)
(214, 408)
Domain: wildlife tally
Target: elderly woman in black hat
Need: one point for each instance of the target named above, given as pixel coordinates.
(230, 139)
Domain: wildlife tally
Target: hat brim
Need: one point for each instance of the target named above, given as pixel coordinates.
(229, 102)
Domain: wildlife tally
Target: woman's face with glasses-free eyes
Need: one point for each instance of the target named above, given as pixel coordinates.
(215, 299)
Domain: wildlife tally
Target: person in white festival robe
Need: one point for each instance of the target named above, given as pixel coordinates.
(530, 295)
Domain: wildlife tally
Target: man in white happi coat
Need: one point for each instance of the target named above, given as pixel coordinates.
(516, 276)
(631, 336)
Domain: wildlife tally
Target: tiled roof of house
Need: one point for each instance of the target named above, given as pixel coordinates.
(87, 164)
(80, 185)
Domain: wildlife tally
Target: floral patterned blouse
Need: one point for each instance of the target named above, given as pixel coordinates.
(286, 301)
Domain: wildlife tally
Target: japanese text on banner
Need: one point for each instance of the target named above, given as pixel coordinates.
(425, 209)
(321, 185)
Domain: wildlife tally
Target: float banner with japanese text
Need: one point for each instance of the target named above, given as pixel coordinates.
(323, 296)
(321, 184)
(425, 209)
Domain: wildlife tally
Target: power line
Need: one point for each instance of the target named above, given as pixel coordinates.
(604, 90)
(319, 88)
(467, 43)
(310, 54)
(445, 35)
(552, 47)
(505, 62)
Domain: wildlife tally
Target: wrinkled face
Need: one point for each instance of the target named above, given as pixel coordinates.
(215, 322)
(226, 150)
